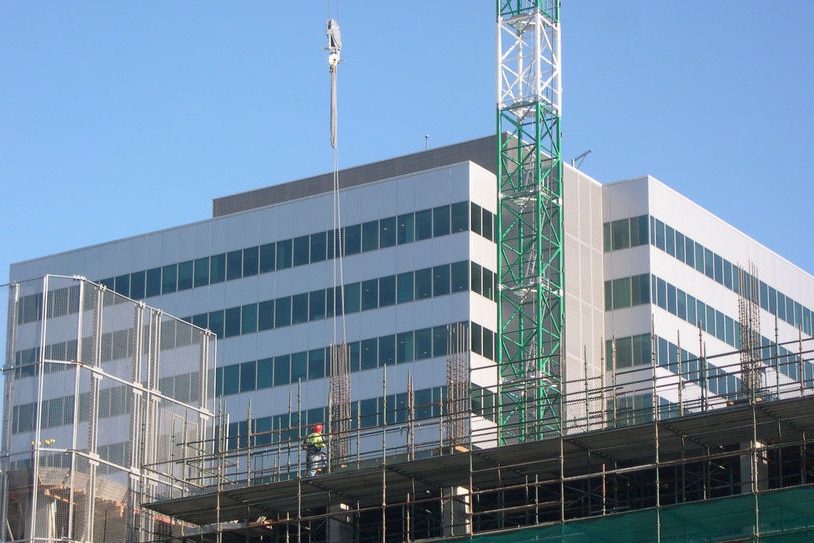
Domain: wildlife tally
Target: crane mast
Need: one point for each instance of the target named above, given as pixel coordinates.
(530, 349)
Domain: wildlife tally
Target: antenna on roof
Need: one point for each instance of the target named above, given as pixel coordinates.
(577, 162)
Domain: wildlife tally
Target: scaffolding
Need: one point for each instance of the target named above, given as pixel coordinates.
(96, 385)
(654, 471)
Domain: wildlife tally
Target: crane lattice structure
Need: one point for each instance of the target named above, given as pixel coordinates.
(530, 231)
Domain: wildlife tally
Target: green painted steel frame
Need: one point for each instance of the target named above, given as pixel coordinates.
(530, 257)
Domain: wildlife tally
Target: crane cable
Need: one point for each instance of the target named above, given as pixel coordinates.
(334, 48)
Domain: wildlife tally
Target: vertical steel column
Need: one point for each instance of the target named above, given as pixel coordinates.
(529, 218)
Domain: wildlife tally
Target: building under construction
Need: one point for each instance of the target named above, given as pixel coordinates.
(494, 341)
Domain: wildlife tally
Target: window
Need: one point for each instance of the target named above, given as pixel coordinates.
(267, 257)
(606, 237)
(621, 293)
(387, 350)
(318, 247)
(423, 343)
(352, 298)
(460, 277)
(316, 364)
(316, 305)
(284, 258)
(248, 324)
(265, 319)
(282, 370)
(709, 264)
(460, 217)
(487, 230)
(423, 284)
(477, 218)
(620, 234)
(282, 312)
(216, 322)
(404, 347)
(299, 367)
(689, 252)
(248, 376)
(660, 241)
(232, 327)
(680, 246)
(251, 261)
(439, 341)
(185, 275)
(153, 282)
(440, 280)
(370, 294)
(369, 354)
(169, 278)
(217, 268)
(387, 232)
(370, 236)
(405, 287)
(234, 265)
(201, 273)
(387, 291)
(302, 251)
(640, 289)
(440, 221)
(406, 228)
(670, 242)
(353, 239)
(477, 279)
(423, 224)
(638, 231)
(299, 308)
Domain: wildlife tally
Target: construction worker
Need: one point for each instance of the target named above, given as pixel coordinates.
(315, 457)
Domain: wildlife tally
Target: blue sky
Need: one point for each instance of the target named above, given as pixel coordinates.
(122, 118)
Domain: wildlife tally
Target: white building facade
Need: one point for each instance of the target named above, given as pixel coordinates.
(419, 267)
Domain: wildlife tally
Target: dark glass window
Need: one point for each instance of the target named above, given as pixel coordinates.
(185, 275)
(282, 312)
(488, 284)
(387, 350)
(620, 234)
(370, 236)
(217, 268)
(638, 231)
(670, 239)
(476, 339)
(440, 221)
(699, 257)
(282, 370)
(423, 284)
(439, 341)
(423, 224)
(153, 282)
(621, 293)
(267, 256)
(169, 276)
(488, 344)
(232, 327)
(201, 272)
(265, 319)
(316, 364)
(284, 257)
(406, 228)
(248, 324)
(660, 234)
(299, 366)
(387, 291)
(370, 294)
(487, 229)
(680, 246)
(477, 278)
(689, 252)
(316, 305)
(405, 287)
(248, 376)
(122, 285)
(301, 251)
(404, 347)
(137, 285)
(299, 308)
(440, 280)
(251, 261)
(709, 264)
(265, 373)
(216, 322)
(318, 247)
(460, 276)
(387, 232)
(606, 237)
(231, 380)
(460, 217)
(719, 269)
(234, 265)
(353, 239)
(423, 343)
(352, 297)
(369, 354)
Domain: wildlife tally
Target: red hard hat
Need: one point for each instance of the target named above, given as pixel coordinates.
(318, 428)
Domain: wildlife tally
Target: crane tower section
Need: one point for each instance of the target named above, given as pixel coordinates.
(530, 223)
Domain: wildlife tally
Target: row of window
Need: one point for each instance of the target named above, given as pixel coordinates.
(368, 413)
(303, 250)
(363, 355)
(725, 273)
(319, 304)
(637, 351)
(688, 308)
(56, 412)
(283, 254)
(633, 231)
